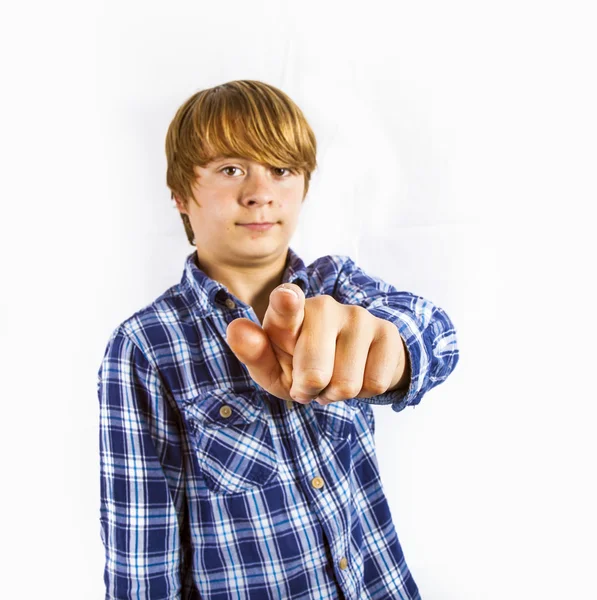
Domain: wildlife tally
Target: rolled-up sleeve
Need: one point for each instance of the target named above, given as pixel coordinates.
(426, 329)
(141, 477)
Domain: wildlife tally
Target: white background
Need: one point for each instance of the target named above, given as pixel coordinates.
(457, 160)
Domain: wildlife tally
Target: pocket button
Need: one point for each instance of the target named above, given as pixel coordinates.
(225, 411)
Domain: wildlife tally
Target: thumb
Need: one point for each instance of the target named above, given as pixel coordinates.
(252, 347)
(283, 319)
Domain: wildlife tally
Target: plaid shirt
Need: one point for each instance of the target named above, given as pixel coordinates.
(213, 488)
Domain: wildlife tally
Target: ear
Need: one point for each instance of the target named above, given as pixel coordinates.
(180, 205)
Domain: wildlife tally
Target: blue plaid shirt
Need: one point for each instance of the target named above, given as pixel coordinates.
(213, 488)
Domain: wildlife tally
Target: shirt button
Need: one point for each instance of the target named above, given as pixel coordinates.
(225, 411)
(289, 403)
(230, 303)
(343, 563)
(317, 482)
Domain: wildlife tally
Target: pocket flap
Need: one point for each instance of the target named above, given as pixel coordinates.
(223, 407)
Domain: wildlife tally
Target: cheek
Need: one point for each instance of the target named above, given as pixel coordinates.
(292, 198)
(213, 211)
(221, 220)
(297, 205)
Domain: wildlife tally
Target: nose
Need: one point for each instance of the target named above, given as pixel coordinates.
(258, 188)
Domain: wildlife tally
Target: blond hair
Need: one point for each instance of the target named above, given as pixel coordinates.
(246, 118)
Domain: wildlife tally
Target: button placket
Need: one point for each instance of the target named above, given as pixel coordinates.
(317, 482)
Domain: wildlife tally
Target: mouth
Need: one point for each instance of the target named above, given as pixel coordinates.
(258, 226)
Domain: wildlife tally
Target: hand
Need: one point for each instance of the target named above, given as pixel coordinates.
(318, 348)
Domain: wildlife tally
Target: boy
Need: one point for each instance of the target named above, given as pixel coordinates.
(236, 428)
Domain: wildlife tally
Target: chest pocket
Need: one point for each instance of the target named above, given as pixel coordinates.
(336, 420)
(232, 439)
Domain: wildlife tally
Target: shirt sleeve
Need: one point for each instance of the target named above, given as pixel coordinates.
(141, 477)
(427, 331)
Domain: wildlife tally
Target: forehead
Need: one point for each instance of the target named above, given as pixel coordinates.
(220, 157)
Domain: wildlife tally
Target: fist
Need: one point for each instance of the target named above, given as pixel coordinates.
(319, 349)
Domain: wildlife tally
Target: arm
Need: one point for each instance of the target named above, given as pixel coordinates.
(141, 476)
(426, 331)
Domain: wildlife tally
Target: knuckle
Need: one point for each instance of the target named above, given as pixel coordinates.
(346, 388)
(324, 300)
(328, 299)
(359, 319)
(314, 378)
(360, 311)
(389, 328)
(375, 386)
(357, 312)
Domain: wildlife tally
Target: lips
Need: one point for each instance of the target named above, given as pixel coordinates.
(262, 226)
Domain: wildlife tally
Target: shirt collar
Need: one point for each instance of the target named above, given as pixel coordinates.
(208, 294)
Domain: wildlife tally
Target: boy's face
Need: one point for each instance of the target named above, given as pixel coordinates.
(231, 192)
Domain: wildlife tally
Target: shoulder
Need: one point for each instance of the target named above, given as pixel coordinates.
(331, 262)
(143, 330)
(341, 277)
(326, 271)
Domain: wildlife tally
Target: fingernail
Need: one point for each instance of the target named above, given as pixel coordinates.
(303, 400)
(285, 289)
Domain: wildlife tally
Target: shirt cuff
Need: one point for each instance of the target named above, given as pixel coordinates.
(400, 398)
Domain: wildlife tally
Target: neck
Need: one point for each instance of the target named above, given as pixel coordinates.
(249, 282)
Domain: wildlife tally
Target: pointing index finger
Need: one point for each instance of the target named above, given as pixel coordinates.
(284, 316)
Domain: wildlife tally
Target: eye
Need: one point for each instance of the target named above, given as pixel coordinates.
(228, 168)
(278, 169)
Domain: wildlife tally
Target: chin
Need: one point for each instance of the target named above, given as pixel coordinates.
(262, 248)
